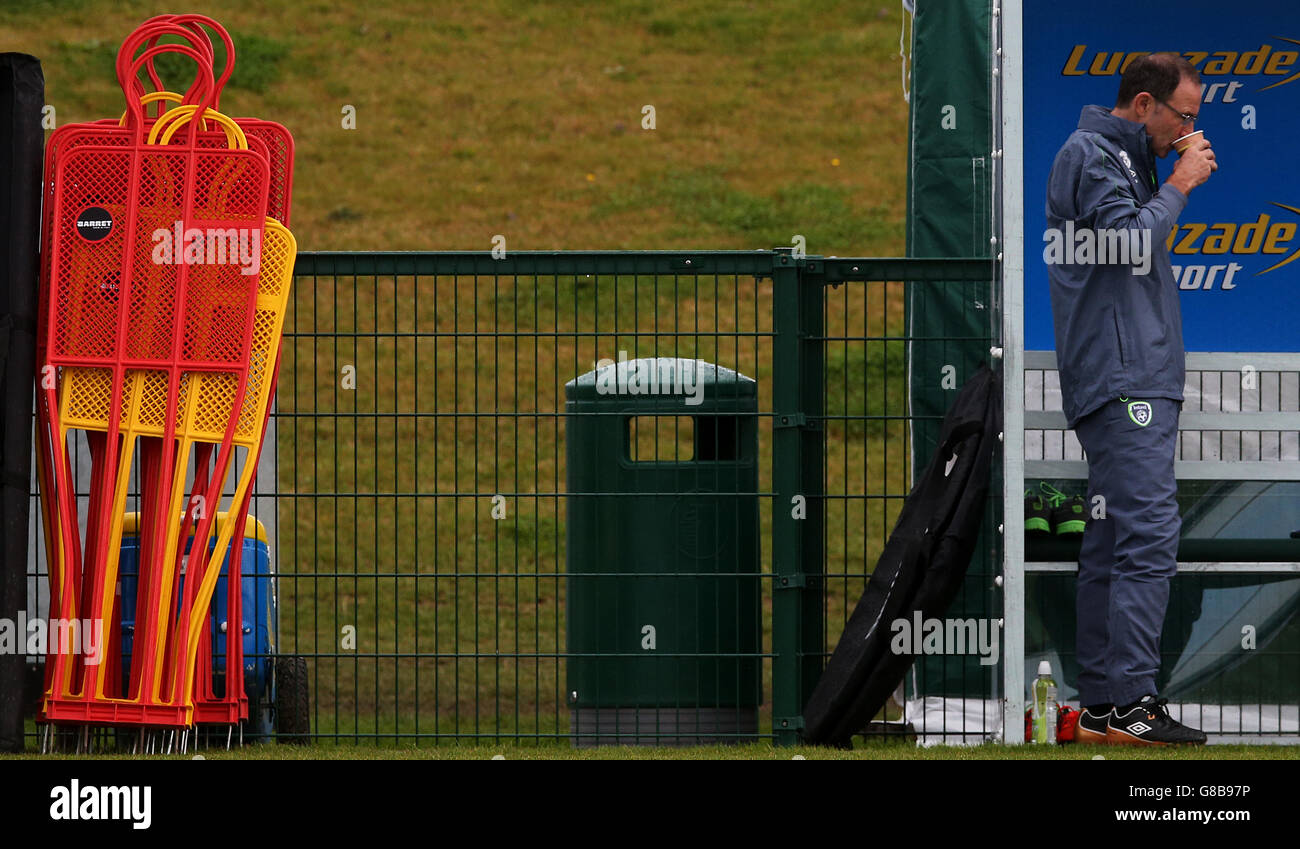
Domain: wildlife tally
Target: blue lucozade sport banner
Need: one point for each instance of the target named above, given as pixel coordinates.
(1236, 247)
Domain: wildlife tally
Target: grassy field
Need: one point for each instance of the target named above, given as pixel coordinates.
(525, 119)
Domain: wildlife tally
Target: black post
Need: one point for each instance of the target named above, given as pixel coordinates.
(22, 98)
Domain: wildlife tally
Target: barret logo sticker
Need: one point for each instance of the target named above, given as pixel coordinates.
(94, 224)
(1140, 413)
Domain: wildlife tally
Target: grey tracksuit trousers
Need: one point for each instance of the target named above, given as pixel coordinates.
(1128, 558)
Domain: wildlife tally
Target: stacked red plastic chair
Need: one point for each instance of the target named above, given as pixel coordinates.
(166, 272)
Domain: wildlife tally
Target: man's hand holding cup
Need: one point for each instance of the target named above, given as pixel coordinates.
(1195, 162)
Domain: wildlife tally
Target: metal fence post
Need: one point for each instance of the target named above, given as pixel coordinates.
(1012, 282)
(798, 458)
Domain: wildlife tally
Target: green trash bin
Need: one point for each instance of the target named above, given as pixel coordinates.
(663, 618)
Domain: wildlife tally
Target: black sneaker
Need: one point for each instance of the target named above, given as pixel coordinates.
(1038, 516)
(1148, 724)
(1069, 512)
(1092, 727)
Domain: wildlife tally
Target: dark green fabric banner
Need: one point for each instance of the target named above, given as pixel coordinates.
(949, 214)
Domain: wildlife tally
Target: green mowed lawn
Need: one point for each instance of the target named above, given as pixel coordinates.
(526, 119)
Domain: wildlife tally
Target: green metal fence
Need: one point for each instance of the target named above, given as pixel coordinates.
(454, 563)
(420, 537)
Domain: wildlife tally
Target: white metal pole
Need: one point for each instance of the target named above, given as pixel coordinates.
(1012, 246)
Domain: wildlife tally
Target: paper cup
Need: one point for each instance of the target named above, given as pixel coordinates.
(1182, 143)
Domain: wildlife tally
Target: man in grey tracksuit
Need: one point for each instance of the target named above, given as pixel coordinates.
(1119, 346)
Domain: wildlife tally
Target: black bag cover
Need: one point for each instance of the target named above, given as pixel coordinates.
(921, 568)
(22, 96)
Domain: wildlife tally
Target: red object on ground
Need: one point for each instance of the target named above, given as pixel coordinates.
(1067, 719)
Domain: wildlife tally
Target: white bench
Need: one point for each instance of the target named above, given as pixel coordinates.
(1240, 422)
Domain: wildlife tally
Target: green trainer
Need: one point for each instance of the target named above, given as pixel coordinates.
(1069, 512)
(1037, 514)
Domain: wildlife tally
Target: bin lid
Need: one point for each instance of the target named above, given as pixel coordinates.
(660, 376)
(253, 528)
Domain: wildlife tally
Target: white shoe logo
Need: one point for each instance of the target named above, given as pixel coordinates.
(1139, 728)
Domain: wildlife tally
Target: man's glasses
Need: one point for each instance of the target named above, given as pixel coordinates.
(1187, 117)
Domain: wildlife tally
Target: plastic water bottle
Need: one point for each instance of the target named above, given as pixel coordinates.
(1044, 706)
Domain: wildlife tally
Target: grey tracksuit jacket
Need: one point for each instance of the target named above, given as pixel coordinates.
(1117, 333)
